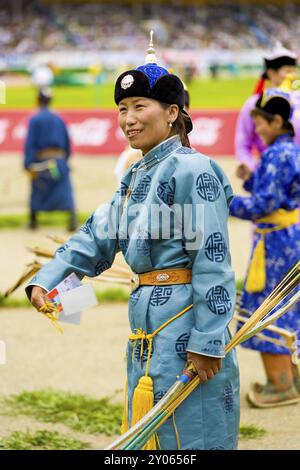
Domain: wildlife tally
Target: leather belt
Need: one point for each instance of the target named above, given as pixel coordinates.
(51, 152)
(162, 277)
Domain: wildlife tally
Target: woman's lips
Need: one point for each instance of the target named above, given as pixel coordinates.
(133, 133)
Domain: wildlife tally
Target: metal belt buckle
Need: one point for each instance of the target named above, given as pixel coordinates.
(135, 281)
(162, 277)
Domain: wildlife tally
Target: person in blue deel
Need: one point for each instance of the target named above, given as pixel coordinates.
(169, 219)
(47, 150)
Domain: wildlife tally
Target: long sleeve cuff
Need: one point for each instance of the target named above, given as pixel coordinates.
(248, 185)
(29, 287)
(206, 344)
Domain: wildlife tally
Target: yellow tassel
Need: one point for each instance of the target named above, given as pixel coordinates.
(256, 279)
(142, 402)
(124, 425)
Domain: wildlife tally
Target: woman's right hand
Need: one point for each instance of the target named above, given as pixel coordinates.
(243, 172)
(39, 299)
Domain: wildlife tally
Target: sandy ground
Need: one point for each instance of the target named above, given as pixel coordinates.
(90, 358)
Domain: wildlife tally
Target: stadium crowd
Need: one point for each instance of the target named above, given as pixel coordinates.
(91, 26)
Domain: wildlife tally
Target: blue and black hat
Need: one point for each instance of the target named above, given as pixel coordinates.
(155, 82)
(275, 101)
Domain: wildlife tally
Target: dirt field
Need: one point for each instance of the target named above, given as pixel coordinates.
(82, 359)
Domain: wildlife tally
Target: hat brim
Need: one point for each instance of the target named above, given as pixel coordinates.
(187, 121)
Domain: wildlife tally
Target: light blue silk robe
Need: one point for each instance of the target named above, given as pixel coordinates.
(168, 176)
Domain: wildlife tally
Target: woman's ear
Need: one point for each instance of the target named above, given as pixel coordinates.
(277, 121)
(173, 112)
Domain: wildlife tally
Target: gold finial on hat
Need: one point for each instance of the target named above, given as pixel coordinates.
(151, 58)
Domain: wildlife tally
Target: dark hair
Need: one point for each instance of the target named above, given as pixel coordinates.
(286, 125)
(178, 126)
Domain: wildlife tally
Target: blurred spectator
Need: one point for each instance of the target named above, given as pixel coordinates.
(95, 26)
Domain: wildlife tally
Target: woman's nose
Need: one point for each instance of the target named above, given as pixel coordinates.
(130, 118)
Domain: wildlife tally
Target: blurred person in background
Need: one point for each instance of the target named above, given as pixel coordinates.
(47, 150)
(279, 63)
(272, 205)
(42, 76)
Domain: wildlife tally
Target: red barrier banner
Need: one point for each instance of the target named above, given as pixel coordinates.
(97, 132)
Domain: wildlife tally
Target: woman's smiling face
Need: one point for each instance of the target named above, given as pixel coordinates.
(145, 122)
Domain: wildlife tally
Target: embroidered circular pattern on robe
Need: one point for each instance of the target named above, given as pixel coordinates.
(159, 395)
(208, 187)
(218, 300)
(137, 351)
(160, 295)
(166, 193)
(62, 248)
(141, 191)
(228, 399)
(181, 345)
(101, 266)
(215, 247)
(135, 295)
(85, 227)
(122, 189)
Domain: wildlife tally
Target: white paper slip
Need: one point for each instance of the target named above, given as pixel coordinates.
(78, 299)
(74, 318)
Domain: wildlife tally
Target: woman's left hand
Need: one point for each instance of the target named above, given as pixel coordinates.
(207, 367)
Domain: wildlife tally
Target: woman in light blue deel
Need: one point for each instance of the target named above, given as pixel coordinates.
(184, 252)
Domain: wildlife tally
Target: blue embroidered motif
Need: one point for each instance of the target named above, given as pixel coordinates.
(215, 247)
(166, 193)
(227, 399)
(137, 351)
(208, 187)
(101, 266)
(85, 227)
(158, 395)
(135, 295)
(141, 191)
(62, 248)
(123, 189)
(213, 347)
(181, 345)
(160, 295)
(143, 244)
(123, 244)
(218, 300)
(186, 150)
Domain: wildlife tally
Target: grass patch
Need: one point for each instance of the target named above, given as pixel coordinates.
(41, 440)
(14, 302)
(112, 294)
(229, 92)
(239, 284)
(107, 295)
(251, 432)
(45, 219)
(79, 412)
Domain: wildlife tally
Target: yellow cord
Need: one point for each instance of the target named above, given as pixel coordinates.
(53, 316)
(141, 335)
(176, 431)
